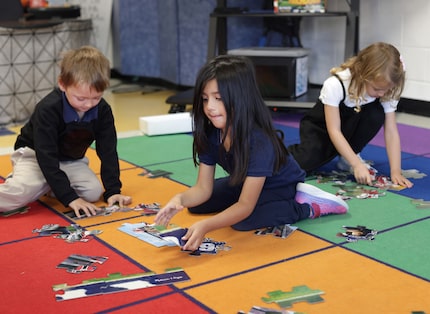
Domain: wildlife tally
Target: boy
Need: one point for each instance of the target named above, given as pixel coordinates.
(49, 154)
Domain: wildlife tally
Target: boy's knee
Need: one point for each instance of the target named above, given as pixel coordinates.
(91, 194)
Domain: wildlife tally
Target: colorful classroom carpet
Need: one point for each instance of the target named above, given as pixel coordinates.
(389, 274)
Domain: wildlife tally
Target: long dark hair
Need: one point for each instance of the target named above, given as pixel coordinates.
(245, 110)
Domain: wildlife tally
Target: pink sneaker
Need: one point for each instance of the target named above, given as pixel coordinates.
(322, 203)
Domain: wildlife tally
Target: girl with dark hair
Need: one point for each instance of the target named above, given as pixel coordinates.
(233, 128)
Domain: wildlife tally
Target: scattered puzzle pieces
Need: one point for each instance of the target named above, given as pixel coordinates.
(70, 234)
(297, 294)
(353, 190)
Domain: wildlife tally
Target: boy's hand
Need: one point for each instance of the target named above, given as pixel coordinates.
(121, 200)
(88, 208)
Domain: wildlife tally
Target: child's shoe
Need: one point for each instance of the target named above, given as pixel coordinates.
(322, 203)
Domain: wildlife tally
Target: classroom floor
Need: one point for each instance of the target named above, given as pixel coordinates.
(387, 275)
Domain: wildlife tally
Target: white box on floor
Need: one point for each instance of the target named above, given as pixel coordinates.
(166, 124)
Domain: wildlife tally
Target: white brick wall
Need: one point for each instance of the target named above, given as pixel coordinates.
(404, 24)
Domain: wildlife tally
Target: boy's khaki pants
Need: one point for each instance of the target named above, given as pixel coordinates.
(27, 183)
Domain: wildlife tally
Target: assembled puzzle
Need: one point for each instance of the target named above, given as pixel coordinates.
(119, 283)
(170, 236)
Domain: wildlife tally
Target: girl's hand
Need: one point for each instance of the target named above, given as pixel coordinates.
(122, 200)
(362, 174)
(167, 212)
(401, 180)
(195, 236)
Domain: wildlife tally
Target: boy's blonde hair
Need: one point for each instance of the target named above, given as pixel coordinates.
(378, 62)
(85, 65)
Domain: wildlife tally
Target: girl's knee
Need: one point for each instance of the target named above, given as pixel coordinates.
(240, 226)
(194, 210)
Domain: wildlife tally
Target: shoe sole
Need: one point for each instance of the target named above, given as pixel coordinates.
(314, 195)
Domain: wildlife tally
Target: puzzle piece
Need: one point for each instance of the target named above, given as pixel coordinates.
(353, 234)
(119, 283)
(210, 246)
(297, 294)
(158, 173)
(144, 209)
(77, 263)
(413, 174)
(351, 189)
(21, 210)
(265, 310)
(282, 231)
(104, 211)
(174, 236)
(145, 232)
(147, 209)
(420, 203)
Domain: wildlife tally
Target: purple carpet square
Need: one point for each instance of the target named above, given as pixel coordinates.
(414, 140)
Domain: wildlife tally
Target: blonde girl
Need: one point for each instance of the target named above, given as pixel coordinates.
(358, 99)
